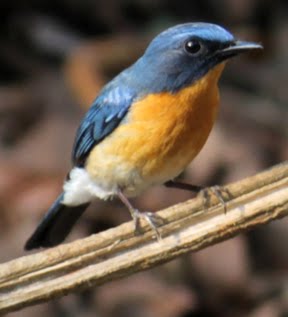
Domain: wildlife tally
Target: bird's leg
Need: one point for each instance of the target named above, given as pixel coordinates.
(216, 190)
(150, 217)
(185, 186)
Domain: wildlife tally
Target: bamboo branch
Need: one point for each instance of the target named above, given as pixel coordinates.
(118, 252)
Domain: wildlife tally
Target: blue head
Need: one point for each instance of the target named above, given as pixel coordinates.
(182, 54)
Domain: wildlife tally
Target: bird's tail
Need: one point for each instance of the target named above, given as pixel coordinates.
(56, 225)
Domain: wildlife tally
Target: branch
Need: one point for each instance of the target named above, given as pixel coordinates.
(118, 252)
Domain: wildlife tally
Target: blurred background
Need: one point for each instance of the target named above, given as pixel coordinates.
(54, 58)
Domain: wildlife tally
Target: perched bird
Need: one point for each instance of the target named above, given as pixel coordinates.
(146, 125)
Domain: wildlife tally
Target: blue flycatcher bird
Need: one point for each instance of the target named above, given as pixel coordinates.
(146, 125)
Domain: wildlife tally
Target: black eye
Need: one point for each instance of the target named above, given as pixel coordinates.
(193, 47)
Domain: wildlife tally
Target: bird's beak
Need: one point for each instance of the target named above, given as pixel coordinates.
(238, 47)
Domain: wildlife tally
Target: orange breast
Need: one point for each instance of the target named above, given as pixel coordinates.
(163, 132)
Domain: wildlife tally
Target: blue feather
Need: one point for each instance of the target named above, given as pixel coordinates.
(105, 114)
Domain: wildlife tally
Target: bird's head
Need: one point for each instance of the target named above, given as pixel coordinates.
(184, 53)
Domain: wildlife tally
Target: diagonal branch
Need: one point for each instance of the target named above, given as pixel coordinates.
(118, 253)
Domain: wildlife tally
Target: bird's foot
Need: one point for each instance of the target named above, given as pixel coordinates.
(218, 191)
(152, 218)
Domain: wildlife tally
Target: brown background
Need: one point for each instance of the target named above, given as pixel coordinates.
(54, 57)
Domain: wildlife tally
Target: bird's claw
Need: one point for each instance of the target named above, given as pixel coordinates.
(152, 219)
(216, 190)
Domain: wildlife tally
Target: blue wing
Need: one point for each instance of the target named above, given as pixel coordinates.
(102, 118)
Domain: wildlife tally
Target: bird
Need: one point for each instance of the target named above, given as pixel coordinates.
(145, 126)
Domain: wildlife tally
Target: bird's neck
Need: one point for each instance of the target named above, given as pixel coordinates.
(205, 86)
(201, 98)
(197, 103)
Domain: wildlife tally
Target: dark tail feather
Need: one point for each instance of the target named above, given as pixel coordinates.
(56, 225)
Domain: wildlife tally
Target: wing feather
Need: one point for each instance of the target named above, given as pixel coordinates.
(104, 115)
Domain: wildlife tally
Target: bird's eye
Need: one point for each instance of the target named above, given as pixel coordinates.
(193, 47)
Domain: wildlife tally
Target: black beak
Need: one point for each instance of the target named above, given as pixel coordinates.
(238, 47)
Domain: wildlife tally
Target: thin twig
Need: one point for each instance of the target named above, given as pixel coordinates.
(118, 252)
